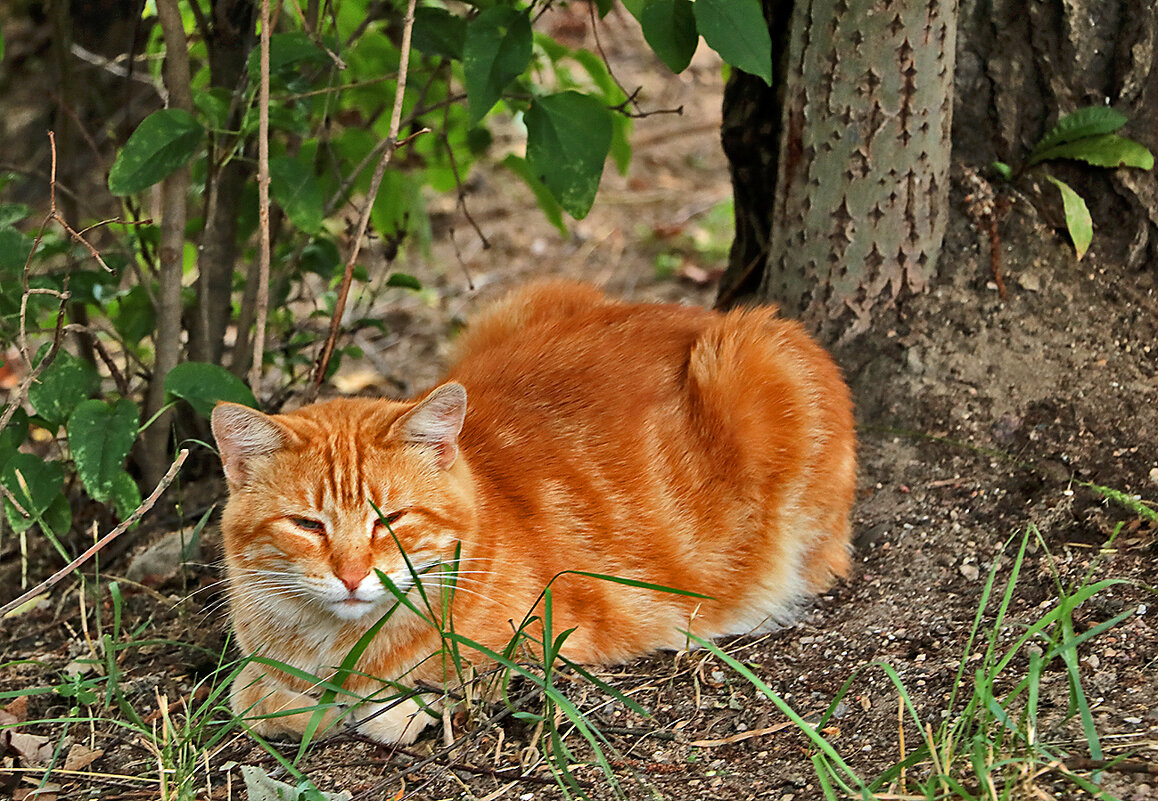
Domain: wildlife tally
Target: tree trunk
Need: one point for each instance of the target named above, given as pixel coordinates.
(229, 38)
(174, 196)
(859, 120)
(1023, 64)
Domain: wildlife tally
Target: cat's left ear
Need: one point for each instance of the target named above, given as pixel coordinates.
(435, 423)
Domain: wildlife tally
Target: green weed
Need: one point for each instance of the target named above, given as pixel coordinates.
(990, 745)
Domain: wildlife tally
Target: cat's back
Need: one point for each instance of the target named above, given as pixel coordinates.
(677, 445)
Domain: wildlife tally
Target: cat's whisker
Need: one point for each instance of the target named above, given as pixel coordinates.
(466, 590)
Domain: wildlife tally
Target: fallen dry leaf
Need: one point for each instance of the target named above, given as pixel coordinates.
(81, 756)
(15, 712)
(33, 749)
(46, 793)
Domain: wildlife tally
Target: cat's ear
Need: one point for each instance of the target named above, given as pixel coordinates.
(435, 423)
(243, 433)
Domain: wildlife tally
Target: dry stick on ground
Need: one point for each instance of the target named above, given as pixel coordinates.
(137, 514)
(1117, 765)
(323, 362)
(262, 205)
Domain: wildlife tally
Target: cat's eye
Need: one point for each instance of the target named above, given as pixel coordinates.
(390, 519)
(309, 524)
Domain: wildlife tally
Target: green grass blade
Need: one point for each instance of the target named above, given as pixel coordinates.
(816, 738)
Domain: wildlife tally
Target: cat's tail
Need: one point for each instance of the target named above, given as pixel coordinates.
(767, 382)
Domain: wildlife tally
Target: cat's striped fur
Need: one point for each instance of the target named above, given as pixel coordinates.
(681, 447)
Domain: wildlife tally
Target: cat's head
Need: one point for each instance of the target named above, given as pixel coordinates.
(322, 498)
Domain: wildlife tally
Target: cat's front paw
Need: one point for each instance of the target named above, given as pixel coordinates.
(396, 723)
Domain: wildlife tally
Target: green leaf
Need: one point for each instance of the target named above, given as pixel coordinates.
(57, 519)
(298, 192)
(213, 106)
(13, 435)
(496, 50)
(285, 50)
(132, 314)
(100, 435)
(41, 485)
(403, 280)
(92, 286)
(737, 30)
(12, 213)
(400, 209)
(669, 26)
(1003, 169)
(63, 384)
(634, 7)
(568, 136)
(321, 257)
(124, 494)
(202, 385)
(162, 143)
(1078, 221)
(1088, 121)
(14, 250)
(547, 203)
(437, 32)
(1104, 150)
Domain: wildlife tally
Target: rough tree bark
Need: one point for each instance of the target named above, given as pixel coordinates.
(840, 170)
(853, 141)
(1023, 64)
(174, 195)
(229, 35)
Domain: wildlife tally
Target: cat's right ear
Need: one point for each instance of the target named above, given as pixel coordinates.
(243, 433)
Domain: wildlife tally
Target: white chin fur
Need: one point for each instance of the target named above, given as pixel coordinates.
(351, 610)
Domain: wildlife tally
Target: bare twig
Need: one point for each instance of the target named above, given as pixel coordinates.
(118, 377)
(262, 205)
(8, 496)
(461, 191)
(603, 55)
(741, 736)
(34, 371)
(137, 514)
(323, 361)
(461, 261)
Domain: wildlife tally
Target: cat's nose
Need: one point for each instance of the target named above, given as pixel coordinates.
(352, 575)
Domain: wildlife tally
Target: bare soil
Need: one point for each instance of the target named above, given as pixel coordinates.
(980, 417)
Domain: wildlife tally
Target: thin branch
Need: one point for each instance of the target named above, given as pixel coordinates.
(262, 205)
(137, 514)
(603, 55)
(323, 362)
(461, 261)
(8, 496)
(461, 191)
(118, 377)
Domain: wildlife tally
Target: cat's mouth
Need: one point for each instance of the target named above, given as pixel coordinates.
(350, 608)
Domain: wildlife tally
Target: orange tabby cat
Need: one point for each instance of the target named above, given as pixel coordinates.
(676, 446)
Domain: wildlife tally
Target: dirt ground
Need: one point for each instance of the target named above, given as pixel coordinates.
(979, 418)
